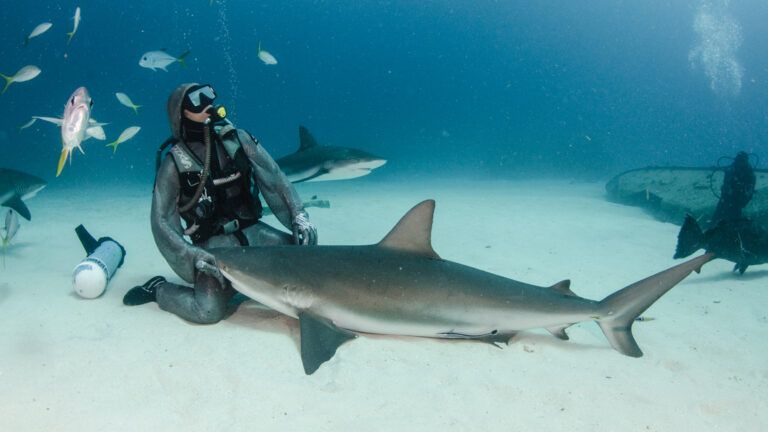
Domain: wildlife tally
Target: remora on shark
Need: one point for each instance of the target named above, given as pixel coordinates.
(16, 186)
(314, 162)
(400, 286)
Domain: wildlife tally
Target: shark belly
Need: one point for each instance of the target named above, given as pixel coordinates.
(339, 174)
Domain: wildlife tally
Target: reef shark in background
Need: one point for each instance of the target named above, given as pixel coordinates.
(16, 186)
(313, 162)
(400, 286)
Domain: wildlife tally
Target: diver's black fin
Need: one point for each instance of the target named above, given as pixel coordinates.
(86, 239)
(17, 204)
(740, 267)
(319, 340)
(306, 140)
(689, 239)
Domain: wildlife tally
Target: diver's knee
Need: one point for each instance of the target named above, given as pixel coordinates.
(210, 316)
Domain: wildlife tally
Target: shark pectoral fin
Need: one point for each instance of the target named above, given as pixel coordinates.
(498, 338)
(319, 340)
(559, 331)
(17, 204)
(318, 173)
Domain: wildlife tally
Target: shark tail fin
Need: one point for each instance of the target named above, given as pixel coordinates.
(690, 238)
(70, 35)
(182, 59)
(8, 82)
(619, 310)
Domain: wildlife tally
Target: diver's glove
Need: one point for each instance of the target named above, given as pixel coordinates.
(206, 263)
(304, 232)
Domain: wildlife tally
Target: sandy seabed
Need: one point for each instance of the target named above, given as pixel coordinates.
(69, 364)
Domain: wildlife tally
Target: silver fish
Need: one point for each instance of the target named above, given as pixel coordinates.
(24, 74)
(125, 100)
(127, 134)
(76, 119)
(40, 29)
(160, 60)
(11, 227)
(266, 57)
(71, 34)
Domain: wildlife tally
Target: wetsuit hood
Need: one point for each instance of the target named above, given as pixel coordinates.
(175, 101)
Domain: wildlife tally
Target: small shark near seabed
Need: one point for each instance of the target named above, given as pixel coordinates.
(740, 241)
(16, 186)
(313, 162)
(400, 286)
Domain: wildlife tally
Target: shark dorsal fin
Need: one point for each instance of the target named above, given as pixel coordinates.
(564, 287)
(414, 231)
(306, 140)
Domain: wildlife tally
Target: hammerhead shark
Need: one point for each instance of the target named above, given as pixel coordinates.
(400, 286)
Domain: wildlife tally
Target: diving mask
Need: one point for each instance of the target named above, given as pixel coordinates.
(200, 98)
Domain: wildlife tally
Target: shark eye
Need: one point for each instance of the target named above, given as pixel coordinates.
(91, 104)
(72, 101)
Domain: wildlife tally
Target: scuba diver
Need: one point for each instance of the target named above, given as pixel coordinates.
(729, 235)
(737, 190)
(207, 188)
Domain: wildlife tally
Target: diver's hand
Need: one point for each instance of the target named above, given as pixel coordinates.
(205, 262)
(304, 232)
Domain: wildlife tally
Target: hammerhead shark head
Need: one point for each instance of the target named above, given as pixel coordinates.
(400, 286)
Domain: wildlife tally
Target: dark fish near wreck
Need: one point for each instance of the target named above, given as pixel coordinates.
(741, 241)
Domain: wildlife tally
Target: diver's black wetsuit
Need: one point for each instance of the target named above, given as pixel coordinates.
(737, 190)
(206, 302)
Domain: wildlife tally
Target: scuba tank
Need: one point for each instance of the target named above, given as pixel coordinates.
(105, 256)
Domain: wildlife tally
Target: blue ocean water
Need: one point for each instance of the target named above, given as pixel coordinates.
(491, 88)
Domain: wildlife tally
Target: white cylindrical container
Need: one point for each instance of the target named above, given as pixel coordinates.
(91, 276)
